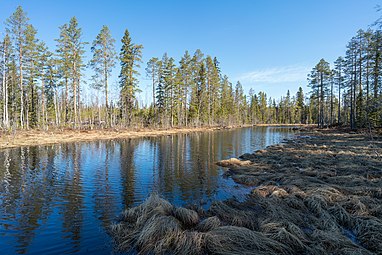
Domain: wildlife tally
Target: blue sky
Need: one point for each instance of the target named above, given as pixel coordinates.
(269, 45)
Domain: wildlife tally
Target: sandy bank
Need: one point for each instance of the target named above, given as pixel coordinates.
(318, 194)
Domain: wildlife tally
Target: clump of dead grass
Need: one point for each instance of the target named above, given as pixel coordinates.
(239, 240)
(312, 196)
(233, 162)
(208, 224)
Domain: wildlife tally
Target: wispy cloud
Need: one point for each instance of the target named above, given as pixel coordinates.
(276, 75)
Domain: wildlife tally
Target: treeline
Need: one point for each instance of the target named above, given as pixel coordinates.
(350, 93)
(43, 88)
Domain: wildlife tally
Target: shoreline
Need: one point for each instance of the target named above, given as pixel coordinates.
(38, 137)
(23, 138)
(320, 193)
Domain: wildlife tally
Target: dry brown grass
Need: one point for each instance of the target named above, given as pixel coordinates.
(189, 218)
(233, 162)
(321, 194)
(208, 224)
(21, 138)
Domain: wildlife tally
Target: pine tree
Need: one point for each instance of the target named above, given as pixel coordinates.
(64, 66)
(6, 55)
(300, 106)
(351, 73)
(169, 72)
(319, 81)
(339, 65)
(76, 53)
(103, 62)
(16, 27)
(43, 56)
(152, 71)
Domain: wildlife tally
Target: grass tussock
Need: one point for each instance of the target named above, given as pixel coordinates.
(238, 240)
(189, 218)
(208, 224)
(320, 194)
(233, 162)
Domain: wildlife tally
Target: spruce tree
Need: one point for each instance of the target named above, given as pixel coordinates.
(31, 74)
(185, 83)
(130, 57)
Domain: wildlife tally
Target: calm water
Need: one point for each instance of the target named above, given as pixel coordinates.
(59, 199)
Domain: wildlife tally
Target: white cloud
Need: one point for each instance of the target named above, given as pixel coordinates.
(286, 74)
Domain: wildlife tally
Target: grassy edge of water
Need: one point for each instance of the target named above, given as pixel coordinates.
(22, 138)
(318, 194)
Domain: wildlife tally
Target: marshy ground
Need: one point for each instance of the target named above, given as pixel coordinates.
(320, 193)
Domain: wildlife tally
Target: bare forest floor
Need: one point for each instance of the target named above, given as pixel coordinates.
(320, 193)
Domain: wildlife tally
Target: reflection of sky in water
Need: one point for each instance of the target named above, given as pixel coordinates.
(60, 198)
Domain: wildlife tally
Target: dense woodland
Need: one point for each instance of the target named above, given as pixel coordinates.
(43, 88)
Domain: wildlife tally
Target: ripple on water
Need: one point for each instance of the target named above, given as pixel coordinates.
(61, 198)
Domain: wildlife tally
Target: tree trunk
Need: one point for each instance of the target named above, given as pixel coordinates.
(66, 101)
(376, 74)
(185, 103)
(321, 118)
(21, 88)
(5, 91)
(43, 103)
(79, 101)
(354, 93)
(56, 112)
(75, 94)
(153, 79)
(106, 95)
(172, 104)
(331, 102)
(339, 96)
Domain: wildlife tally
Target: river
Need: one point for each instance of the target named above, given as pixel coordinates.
(60, 199)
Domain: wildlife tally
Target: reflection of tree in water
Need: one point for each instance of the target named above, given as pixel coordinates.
(35, 181)
(204, 171)
(5, 178)
(72, 194)
(127, 148)
(104, 198)
(185, 163)
(29, 194)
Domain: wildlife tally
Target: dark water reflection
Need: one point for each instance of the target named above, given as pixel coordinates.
(59, 199)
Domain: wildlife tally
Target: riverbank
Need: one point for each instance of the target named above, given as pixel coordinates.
(320, 193)
(32, 137)
(37, 137)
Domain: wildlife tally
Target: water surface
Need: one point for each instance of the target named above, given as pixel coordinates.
(59, 199)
